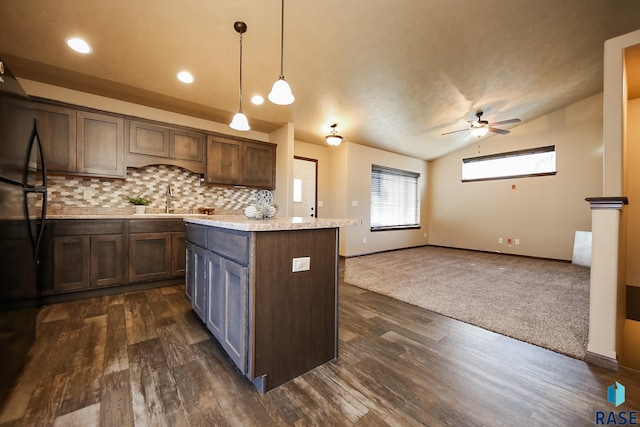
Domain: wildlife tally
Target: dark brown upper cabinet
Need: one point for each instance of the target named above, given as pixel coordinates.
(151, 143)
(81, 142)
(241, 162)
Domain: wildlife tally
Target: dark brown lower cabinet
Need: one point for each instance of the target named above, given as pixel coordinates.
(107, 259)
(178, 251)
(149, 256)
(71, 262)
(82, 262)
(90, 254)
(156, 249)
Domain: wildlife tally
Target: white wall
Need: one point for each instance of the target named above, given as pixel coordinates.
(357, 184)
(542, 212)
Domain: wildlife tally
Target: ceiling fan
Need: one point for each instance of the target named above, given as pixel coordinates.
(480, 127)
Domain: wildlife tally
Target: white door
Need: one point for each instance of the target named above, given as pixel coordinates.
(304, 188)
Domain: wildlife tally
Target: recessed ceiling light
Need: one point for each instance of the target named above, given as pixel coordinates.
(257, 100)
(79, 45)
(185, 77)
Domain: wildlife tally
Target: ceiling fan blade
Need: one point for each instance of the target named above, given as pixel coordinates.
(506, 122)
(454, 131)
(500, 131)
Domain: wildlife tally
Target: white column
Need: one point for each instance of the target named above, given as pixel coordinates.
(604, 295)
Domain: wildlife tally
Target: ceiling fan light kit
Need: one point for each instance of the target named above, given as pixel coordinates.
(479, 131)
(479, 127)
(240, 121)
(281, 93)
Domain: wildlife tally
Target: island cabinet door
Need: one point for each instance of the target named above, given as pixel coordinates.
(235, 282)
(215, 293)
(196, 279)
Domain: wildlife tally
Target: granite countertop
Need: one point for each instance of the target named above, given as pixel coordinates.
(127, 216)
(278, 223)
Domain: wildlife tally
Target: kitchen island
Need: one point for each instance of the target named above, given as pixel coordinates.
(267, 290)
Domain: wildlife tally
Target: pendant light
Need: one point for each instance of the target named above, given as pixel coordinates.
(333, 138)
(281, 91)
(240, 121)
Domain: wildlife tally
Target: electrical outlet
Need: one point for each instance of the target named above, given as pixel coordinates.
(301, 264)
(364, 240)
(500, 240)
(509, 241)
(517, 241)
(354, 203)
(88, 193)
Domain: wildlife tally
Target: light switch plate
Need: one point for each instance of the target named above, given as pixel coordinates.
(301, 264)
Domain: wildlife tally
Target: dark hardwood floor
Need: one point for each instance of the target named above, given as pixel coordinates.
(144, 359)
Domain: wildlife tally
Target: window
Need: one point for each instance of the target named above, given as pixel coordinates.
(297, 190)
(395, 201)
(514, 164)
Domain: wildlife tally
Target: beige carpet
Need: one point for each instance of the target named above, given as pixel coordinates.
(542, 302)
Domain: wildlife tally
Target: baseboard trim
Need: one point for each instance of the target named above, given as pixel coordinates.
(99, 292)
(600, 360)
(568, 261)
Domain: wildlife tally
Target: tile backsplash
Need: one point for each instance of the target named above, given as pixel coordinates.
(69, 194)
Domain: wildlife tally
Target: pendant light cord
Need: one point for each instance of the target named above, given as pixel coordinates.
(241, 72)
(282, 41)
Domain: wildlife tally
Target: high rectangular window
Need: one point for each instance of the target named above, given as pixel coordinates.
(395, 199)
(514, 164)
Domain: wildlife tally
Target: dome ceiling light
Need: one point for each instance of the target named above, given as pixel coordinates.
(333, 138)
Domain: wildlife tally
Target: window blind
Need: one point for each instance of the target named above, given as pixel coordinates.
(395, 201)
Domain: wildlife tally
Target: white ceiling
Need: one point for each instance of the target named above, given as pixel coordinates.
(394, 74)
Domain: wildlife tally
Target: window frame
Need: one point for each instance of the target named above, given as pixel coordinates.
(398, 172)
(507, 154)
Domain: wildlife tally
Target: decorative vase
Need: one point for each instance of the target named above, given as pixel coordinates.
(140, 209)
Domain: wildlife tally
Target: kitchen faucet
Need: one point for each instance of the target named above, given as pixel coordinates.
(169, 193)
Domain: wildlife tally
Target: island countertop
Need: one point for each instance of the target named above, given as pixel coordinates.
(278, 223)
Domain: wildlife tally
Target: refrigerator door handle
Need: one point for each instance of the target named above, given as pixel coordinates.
(42, 189)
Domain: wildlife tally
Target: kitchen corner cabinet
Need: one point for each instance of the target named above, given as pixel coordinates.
(80, 142)
(151, 143)
(240, 162)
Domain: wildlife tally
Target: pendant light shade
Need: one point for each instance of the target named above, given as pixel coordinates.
(281, 91)
(240, 121)
(333, 138)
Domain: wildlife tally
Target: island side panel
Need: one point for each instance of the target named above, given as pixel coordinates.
(295, 313)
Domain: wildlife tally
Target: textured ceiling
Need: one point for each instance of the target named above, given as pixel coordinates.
(394, 74)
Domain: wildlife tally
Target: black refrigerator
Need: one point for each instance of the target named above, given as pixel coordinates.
(23, 202)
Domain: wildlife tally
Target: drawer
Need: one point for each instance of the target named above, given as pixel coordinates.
(197, 234)
(75, 227)
(155, 225)
(229, 243)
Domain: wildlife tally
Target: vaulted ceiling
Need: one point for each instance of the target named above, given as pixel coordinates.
(394, 74)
